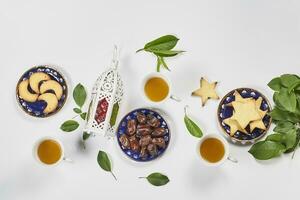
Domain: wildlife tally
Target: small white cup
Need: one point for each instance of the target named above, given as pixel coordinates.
(226, 150)
(35, 151)
(165, 78)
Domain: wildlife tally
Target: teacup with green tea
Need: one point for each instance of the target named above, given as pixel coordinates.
(213, 150)
(48, 151)
(156, 88)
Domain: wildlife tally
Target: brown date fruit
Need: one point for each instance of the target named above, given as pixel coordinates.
(160, 142)
(124, 141)
(153, 121)
(145, 140)
(134, 144)
(144, 152)
(131, 127)
(158, 132)
(141, 118)
(152, 149)
(143, 129)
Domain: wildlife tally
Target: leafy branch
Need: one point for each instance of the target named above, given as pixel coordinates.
(286, 116)
(79, 96)
(162, 48)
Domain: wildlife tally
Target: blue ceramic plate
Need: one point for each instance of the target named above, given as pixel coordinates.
(227, 111)
(36, 108)
(122, 130)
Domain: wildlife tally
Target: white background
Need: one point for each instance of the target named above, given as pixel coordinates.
(237, 42)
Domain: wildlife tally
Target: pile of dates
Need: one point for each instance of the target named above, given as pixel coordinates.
(144, 135)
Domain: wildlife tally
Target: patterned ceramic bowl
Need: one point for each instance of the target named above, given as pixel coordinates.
(36, 108)
(225, 112)
(133, 115)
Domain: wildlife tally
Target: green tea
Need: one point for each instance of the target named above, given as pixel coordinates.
(49, 151)
(156, 89)
(212, 150)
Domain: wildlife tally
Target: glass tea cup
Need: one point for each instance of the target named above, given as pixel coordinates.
(157, 88)
(49, 151)
(213, 145)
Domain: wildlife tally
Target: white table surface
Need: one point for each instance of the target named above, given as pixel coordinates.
(236, 42)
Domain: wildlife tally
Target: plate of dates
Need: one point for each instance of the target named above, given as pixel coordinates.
(143, 135)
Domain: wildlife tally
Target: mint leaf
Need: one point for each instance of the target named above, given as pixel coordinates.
(281, 115)
(288, 80)
(265, 150)
(284, 126)
(275, 84)
(287, 100)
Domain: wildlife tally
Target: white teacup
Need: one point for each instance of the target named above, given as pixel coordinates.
(168, 82)
(58, 142)
(226, 150)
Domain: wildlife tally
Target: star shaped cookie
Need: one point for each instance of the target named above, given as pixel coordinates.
(206, 91)
(247, 112)
(234, 126)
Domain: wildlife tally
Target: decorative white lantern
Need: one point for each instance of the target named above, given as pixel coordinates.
(105, 102)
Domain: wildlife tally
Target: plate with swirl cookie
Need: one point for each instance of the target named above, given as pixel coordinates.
(243, 115)
(143, 134)
(41, 91)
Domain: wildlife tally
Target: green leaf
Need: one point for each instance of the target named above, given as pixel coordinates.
(166, 42)
(164, 64)
(287, 100)
(165, 53)
(290, 139)
(157, 179)
(79, 95)
(276, 101)
(85, 136)
(104, 162)
(296, 144)
(192, 127)
(162, 47)
(283, 127)
(288, 80)
(77, 110)
(277, 137)
(294, 86)
(158, 64)
(69, 126)
(83, 115)
(265, 150)
(275, 84)
(280, 115)
(297, 112)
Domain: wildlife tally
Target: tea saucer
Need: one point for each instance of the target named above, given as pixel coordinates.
(225, 112)
(36, 108)
(133, 115)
